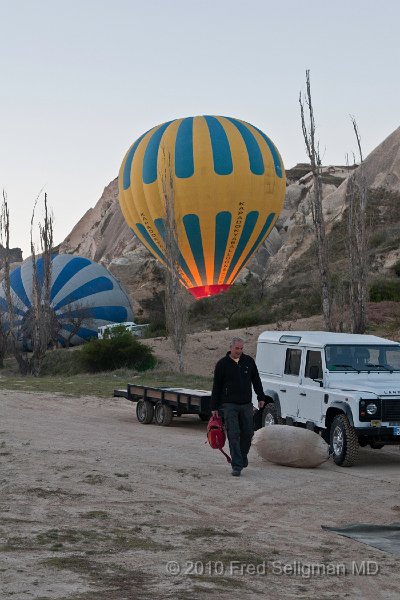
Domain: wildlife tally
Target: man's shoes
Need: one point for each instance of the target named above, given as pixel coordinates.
(236, 472)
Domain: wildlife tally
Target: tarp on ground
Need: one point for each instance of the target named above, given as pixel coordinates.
(383, 537)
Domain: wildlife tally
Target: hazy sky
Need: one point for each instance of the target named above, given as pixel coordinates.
(81, 80)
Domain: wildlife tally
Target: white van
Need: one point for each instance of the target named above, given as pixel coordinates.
(133, 328)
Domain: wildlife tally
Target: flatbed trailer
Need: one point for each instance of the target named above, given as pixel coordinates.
(161, 405)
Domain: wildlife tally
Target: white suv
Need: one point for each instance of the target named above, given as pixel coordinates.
(344, 386)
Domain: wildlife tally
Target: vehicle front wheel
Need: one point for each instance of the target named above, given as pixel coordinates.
(270, 416)
(144, 412)
(344, 442)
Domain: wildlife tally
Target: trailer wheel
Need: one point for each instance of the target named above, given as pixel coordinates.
(163, 414)
(144, 412)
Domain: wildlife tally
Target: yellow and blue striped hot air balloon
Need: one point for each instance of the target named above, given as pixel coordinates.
(228, 190)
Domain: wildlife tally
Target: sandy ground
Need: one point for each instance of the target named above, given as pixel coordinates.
(95, 506)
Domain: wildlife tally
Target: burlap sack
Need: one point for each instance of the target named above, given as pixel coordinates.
(291, 446)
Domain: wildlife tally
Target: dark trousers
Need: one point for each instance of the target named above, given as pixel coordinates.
(240, 429)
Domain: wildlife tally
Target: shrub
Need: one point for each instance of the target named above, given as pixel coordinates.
(156, 328)
(396, 268)
(385, 289)
(377, 239)
(248, 319)
(62, 362)
(119, 351)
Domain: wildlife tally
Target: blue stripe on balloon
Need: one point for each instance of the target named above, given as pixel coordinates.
(95, 286)
(18, 287)
(259, 239)
(149, 172)
(184, 161)
(253, 149)
(117, 314)
(160, 224)
(247, 230)
(71, 268)
(220, 146)
(274, 152)
(222, 227)
(128, 162)
(145, 234)
(4, 308)
(193, 232)
(39, 271)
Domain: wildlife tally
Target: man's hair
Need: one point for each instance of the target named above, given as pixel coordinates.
(234, 340)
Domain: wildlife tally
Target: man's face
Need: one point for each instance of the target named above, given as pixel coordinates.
(236, 349)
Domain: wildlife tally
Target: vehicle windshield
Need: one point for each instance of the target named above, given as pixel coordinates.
(366, 357)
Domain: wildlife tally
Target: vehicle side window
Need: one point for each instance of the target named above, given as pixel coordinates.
(292, 362)
(313, 359)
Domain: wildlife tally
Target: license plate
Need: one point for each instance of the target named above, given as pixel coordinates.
(396, 430)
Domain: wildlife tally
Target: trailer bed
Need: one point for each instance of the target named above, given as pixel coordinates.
(162, 404)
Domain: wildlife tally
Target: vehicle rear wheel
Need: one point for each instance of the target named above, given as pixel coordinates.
(344, 442)
(144, 412)
(270, 416)
(163, 414)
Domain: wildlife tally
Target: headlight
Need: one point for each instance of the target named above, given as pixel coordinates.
(371, 408)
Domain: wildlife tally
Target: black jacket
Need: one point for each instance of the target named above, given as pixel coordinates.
(233, 381)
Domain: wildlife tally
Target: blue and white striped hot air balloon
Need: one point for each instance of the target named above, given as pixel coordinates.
(81, 291)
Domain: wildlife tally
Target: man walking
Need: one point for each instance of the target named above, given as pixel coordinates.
(233, 377)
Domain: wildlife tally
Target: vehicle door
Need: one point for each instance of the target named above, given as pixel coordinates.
(288, 390)
(310, 391)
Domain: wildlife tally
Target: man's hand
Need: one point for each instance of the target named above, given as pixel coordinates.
(215, 413)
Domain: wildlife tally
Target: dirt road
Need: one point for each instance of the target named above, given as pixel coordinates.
(96, 506)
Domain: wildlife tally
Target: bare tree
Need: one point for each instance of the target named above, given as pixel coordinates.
(357, 242)
(231, 302)
(72, 320)
(13, 328)
(43, 315)
(312, 147)
(3, 336)
(176, 301)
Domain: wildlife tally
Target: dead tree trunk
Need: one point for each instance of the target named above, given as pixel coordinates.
(357, 242)
(316, 203)
(42, 314)
(13, 329)
(176, 303)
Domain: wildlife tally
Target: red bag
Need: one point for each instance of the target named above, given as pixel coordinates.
(216, 435)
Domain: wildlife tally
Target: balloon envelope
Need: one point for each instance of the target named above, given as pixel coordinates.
(228, 186)
(82, 292)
